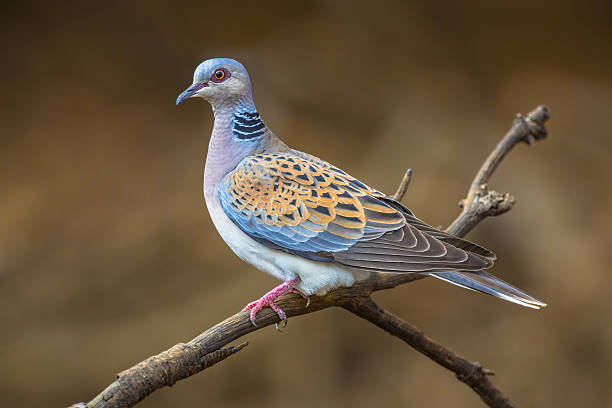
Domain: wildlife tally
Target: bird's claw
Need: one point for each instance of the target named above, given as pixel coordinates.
(257, 305)
(282, 325)
(269, 298)
(297, 292)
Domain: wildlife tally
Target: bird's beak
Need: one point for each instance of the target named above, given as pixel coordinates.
(189, 92)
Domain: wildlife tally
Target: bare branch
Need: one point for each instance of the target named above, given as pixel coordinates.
(472, 374)
(164, 369)
(403, 186)
(482, 202)
(184, 360)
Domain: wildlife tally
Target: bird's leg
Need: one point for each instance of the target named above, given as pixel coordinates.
(269, 298)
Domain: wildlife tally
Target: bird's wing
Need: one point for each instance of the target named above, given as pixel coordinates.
(314, 210)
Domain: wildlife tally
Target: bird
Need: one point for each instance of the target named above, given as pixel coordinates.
(305, 221)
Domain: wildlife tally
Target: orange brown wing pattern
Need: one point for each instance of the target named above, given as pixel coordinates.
(304, 206)
(312, 209)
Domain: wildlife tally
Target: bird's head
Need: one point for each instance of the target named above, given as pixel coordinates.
(219, 80)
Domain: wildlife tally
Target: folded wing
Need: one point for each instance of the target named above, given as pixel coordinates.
(304, 206)
(317, 211)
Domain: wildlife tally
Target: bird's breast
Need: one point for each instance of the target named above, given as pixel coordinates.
(315, 277)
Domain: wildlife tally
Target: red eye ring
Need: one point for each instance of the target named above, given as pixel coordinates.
(220, 75)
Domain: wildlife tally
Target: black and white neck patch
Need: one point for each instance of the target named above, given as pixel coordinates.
(247, 125)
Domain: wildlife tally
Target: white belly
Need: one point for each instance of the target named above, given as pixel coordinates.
(315, 277)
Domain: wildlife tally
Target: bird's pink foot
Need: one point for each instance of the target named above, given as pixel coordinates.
(269, 298)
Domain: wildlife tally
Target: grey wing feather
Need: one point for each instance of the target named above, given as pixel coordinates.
(439, 234)
(410, 250)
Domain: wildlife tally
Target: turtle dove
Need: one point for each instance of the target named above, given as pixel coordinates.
(305, 221)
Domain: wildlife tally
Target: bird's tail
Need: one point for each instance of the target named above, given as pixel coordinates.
(484, 282)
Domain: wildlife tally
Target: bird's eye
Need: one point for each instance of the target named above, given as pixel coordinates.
(220, 75)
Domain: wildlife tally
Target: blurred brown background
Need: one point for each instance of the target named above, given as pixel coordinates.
(108, 255)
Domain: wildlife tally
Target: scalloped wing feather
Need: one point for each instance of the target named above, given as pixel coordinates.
(304, 206)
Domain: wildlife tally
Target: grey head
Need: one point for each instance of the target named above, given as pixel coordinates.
(220, 81)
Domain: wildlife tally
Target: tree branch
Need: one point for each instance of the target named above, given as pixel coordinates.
(472, 374)
(403, 186)
(482, 202)
(184, 360)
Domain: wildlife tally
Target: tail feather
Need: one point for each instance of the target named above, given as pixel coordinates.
(484, 282)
